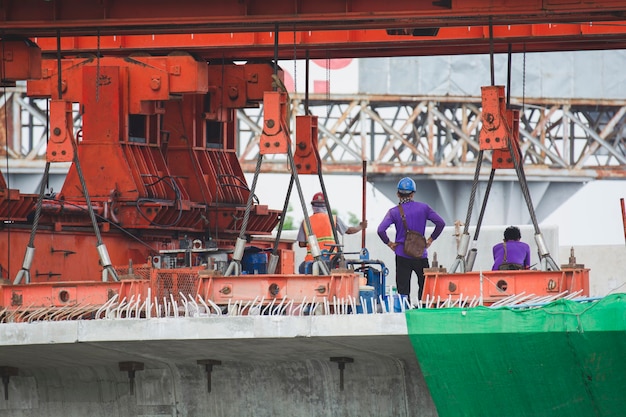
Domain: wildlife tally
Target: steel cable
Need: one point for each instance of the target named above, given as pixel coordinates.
(42, 188)
(468, 217)
(246, 215)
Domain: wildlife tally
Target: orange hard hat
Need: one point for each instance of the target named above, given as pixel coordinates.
(318, 199)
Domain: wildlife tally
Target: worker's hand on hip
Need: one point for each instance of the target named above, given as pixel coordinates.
(392, 245)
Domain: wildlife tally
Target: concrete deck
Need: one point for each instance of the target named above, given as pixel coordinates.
(270, 366)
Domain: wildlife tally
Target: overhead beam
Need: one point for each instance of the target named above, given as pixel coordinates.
(45, 17)
(352, 43)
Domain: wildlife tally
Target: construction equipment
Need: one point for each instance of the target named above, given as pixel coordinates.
(155, 196)
(500, 134)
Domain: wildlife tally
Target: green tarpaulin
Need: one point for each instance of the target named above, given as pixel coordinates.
(564, 359)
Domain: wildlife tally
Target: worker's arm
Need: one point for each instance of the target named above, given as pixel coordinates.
(382, 231)
(354, 229)
(439, 225)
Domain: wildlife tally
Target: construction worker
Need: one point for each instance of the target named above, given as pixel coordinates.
(511, 254)
(416, 215)
(321, 228)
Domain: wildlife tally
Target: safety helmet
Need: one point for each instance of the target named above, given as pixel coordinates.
(318, 199)
(406, 186)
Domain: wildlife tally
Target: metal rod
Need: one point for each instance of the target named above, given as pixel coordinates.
(623, 217)
(306, 83)
(491, 64)
(508, 78)
(276, 53)
(363, 202)
(59, 79)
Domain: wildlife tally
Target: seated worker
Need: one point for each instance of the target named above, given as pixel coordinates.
(320, 225)
(511, 253)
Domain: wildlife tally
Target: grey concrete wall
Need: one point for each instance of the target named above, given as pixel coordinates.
(271, 366)
(607, 266)
(383, 387)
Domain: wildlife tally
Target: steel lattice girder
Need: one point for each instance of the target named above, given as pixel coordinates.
(438, 136)
(418, 135)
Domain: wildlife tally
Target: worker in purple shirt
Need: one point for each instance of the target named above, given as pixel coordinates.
(511, 254)
(417, 214)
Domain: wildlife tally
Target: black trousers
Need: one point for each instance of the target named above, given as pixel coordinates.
(404, 268)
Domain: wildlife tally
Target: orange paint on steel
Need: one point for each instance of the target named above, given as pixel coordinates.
(158, 138)
(502, 158)
(275, 137)
(169, 284)
(24, 297)
(191, 16)
(21, 60)
(60, 147)
(306, 155)
(496, 285)
(495, 130)
(296, 287)
(15, 206)
(351, 42)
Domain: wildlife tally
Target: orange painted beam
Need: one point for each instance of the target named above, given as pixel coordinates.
(494, 286)
(37, 17)
(354, 43)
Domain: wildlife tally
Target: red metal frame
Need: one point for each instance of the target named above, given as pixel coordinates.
(166, 147)
(127, 101)
(493, 286)
(349, 42)
(83, 299)
(275, 137)
(306, 156)
(143, 16)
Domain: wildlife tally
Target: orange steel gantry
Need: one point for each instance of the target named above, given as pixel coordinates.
(41, 17)
(158, 129)
(318, 29)
(295, 43)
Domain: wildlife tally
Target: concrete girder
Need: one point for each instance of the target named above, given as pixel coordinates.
(505, 203)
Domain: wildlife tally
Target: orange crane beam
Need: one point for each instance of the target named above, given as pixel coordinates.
(356, 43)
(46, 17)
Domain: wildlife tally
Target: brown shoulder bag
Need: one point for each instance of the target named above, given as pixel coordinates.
(415, 242)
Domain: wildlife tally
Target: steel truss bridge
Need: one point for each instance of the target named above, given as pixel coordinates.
(565, 143)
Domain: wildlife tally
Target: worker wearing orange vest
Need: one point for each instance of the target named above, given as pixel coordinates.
(321, 228)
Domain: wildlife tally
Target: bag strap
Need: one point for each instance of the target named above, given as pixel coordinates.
(403, 216)
(504, 246)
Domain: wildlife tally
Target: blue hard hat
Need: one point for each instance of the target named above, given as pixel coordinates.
(406, 186)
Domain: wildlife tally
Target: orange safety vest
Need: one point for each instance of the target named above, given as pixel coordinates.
(320, 224)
